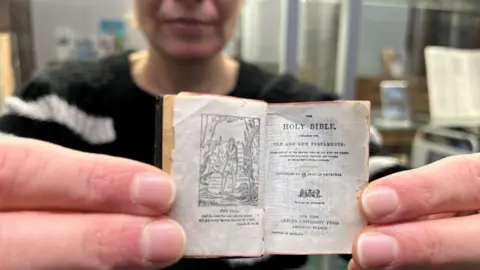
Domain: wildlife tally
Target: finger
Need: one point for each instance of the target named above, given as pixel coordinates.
(352, 265)
(436, 244)
(40, 176)
(437, 216)
(447, 215)
(56, 241)
(450, 185)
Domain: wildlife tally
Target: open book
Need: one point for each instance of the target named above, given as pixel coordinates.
(256, 178)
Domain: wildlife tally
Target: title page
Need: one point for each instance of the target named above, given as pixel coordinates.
(218, 166)
(317, 163)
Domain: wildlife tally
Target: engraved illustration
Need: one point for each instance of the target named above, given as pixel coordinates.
(229, 165)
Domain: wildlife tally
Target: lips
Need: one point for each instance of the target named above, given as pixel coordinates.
(185, 21)
(187, 27)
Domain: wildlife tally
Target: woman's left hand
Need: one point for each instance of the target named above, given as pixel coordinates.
(425, 218)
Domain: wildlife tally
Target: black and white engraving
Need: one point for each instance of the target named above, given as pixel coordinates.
(229, 165)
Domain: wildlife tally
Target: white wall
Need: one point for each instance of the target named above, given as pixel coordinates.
(83, 16)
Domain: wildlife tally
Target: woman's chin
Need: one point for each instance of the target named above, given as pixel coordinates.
(192, 51)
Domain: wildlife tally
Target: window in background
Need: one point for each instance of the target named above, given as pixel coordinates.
(260, 33)
(395, 37)
(383, 27)
(319, 40)
(382, 48)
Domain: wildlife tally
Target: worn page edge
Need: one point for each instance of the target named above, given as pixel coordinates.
(168, 148)
(367, 104)
(168, 141)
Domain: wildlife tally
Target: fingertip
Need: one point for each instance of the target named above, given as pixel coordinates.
(378, 202)
(353, 266)
(163, 242)
(173, 192)
(374, 250)
(182, 233)
(155, 191)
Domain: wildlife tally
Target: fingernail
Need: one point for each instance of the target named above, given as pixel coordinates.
(163, 242)
(153, 191)
(376, 250)
(379, 202)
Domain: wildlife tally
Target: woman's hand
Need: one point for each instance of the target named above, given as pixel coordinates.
(62, 209)
(423, 219)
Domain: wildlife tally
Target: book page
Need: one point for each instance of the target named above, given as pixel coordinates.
(218, 164)
(317, 163)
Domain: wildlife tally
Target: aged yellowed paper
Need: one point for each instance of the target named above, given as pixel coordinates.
(317, 163)
(218, 164)
(257, 179)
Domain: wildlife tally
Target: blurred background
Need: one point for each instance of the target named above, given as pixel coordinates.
(415, 60)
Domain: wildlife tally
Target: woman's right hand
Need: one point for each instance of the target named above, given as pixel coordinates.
(63, 209)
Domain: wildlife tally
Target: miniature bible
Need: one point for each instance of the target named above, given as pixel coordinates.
(256, 178)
